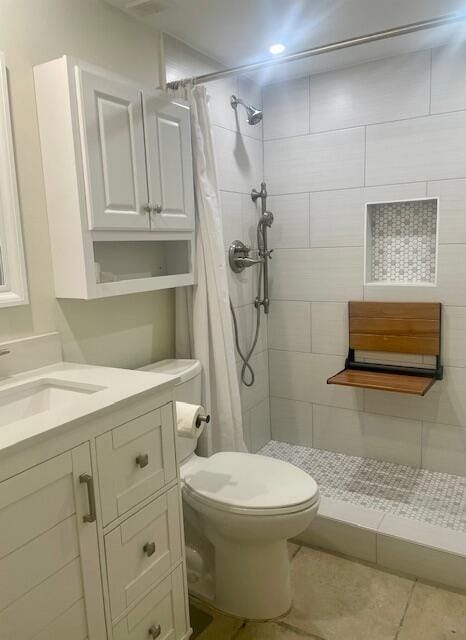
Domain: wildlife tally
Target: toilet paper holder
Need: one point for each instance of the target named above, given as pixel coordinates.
(200, 419)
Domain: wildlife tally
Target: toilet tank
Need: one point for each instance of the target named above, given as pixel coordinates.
(188, 389)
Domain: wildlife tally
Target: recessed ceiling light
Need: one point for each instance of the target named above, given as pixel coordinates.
(275, 49)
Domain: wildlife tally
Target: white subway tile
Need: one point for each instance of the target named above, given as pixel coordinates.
(289, 325)
(333, 160)
(246, 318)
(221, 112)
(454, 336)
(377, 91)
(247, 430)
(444, 448)
(329, 325)
(402, 191)
(291, 421)
(445, 402)
(452, 209)
(430, 552)
(303, 376)
(239, 160)
(286, 109)
(252, 396)
(448, 71)
(337, 218)
(260, 425)
(451, 281)
(330, 275)
(400, 293)
(344, 528)
(251, 93)
(291, 221)
(230, 204)
(250, 212)
(367, 435)
(425, 148)
(242, 286)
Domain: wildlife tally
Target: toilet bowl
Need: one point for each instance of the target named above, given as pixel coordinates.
(240, 509)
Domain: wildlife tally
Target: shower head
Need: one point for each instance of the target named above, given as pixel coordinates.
(254, 115)
(266, 219)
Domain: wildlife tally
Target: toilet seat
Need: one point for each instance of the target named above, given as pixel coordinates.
(251, 484)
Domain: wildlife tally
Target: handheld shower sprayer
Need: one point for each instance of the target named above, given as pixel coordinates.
(240, 260)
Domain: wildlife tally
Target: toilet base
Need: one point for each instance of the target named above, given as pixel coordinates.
(252, 581)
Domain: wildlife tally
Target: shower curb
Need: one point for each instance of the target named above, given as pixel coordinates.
(402, 544)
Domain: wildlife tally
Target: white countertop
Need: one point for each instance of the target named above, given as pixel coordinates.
(114, 386)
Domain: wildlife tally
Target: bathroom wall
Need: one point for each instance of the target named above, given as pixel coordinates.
(388, 129)
(239, 157)
(123, 331)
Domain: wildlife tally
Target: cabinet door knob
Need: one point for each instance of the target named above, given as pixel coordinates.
(157, 209)
(147, 207)
(142, 460)
(155, 631)
(149, 549)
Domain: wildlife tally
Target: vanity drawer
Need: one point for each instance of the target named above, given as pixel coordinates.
(161, 614)
(142, 549)
(135, 460)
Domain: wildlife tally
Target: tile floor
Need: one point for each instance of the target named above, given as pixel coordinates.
(340, 599)
(436, 498)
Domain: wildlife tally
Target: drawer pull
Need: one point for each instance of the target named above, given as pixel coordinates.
(88, 480)
(142, 460)
(155, 631)
(149, 549)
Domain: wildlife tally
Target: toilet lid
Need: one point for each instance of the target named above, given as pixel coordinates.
(250, 481)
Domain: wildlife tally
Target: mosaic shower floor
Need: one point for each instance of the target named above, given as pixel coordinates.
(436, 498)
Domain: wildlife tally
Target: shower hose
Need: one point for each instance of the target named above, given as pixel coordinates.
(247, 368)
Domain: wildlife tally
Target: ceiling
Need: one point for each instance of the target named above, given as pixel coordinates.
(236, 32)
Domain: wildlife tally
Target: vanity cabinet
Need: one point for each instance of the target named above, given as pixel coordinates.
(50, 583)
(91, 539)
(118, 173)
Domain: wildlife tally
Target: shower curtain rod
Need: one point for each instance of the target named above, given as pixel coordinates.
(326, 48)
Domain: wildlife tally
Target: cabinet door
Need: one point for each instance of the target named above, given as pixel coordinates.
(114, 157)
(50, 584)
(169, 163)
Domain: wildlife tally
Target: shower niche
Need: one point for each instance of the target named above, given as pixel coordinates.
(401, 241)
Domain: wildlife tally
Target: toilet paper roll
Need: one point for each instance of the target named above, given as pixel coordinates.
(186, 419)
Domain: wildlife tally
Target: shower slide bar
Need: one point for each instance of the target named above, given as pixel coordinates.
(413, 27)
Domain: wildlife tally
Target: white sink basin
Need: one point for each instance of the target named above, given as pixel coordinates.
(32, 398)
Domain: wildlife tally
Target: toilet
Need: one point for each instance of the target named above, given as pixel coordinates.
(239, 511)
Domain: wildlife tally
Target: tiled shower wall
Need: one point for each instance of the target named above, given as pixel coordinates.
(239, 157)
(391, 129)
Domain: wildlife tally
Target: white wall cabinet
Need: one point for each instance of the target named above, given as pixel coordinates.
(169, 162)
(114, 153)
(118, 171)
(70, 570)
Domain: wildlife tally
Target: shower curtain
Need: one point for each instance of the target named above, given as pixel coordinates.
(203, 320)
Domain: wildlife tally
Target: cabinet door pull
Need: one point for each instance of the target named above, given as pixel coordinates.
(157, 208)
(142, 460)
(147, 208)
(88, 480)
(155, 631)
(149, 549)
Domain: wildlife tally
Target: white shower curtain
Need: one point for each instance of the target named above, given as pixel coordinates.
(203, 320)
